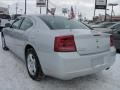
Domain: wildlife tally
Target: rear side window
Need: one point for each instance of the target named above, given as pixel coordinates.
(56, 22)
(26, 24)
(16, 23)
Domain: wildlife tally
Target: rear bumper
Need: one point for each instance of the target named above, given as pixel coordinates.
(67, 66)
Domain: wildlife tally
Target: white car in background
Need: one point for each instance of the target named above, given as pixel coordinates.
(108, 28)
(58, 47)
(4, 18)
(103, 25)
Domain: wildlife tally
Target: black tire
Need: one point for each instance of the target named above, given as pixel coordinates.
(118, 50)
(4, 47)
(39, 73)
(1, 28)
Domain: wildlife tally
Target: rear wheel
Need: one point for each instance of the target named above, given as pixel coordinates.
(118, 50)
(33, 65)
(3, 43)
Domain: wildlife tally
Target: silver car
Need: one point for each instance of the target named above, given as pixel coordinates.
(58, 47)
(108, 27)
(103, 25)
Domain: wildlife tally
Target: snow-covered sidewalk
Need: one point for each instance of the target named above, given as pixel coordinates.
(13, 76)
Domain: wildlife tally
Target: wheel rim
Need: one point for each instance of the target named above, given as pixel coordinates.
(31, 64)
(3, 42)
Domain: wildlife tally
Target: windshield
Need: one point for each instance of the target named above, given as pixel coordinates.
(56, 22)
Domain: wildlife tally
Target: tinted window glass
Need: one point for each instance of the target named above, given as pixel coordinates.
(17, 23)
(27, 23)
(13, 17)
(55, 22)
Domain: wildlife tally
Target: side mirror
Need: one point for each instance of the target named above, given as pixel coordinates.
(7, 25)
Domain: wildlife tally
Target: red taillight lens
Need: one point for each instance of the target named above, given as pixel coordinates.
(111, 40)
(64, 44)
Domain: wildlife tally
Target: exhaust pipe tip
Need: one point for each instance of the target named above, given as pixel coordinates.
(107, 68)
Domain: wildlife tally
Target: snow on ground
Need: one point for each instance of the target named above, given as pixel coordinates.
(14, 76)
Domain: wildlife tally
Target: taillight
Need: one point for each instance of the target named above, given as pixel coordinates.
(111, 40)
(64, 44)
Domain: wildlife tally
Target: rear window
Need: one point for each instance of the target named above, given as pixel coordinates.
(56, 22)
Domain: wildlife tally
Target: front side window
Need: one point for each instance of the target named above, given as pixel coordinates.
(55, 22)
(16, 24)
(26, 24)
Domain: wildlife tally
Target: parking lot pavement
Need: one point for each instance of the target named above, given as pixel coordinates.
(13, 76)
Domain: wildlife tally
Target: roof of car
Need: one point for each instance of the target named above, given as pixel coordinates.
(41, 16)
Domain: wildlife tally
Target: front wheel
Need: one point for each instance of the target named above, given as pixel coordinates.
(3, 43)
(33, 65)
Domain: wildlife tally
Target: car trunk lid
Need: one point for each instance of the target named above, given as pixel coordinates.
(92, 43)
(86, 41)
